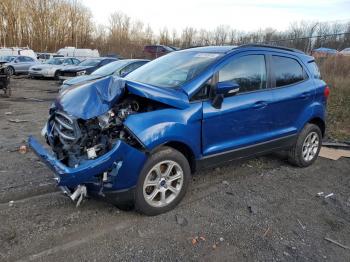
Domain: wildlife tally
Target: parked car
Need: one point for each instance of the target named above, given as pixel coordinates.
(43, 57)
(4, 79)
(17, 51)
(140, 138)
(51, 68)
(81, 53)
(345, 51)
(84, 68)
(19, 64)
(324, 52)
(154, 51)
(118, 68)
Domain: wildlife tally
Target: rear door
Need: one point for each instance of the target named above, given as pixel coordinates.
(292, 91)
(20, 64)
(244, 119)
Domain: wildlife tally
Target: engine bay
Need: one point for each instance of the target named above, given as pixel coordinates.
(74, 140)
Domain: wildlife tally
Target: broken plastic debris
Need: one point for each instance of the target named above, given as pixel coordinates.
(80, 193)
(23, 149)
(319, 194)
(91, 152)
(17, 120)
(329, 195)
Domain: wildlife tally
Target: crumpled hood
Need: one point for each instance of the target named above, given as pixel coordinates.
(91, 99)
(94, 98)
(173, 97)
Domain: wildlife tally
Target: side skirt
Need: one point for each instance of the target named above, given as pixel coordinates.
(246, 152)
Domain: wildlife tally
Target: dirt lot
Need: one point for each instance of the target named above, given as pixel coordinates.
(257, 210)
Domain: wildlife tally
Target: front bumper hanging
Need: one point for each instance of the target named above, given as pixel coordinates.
(132, 161)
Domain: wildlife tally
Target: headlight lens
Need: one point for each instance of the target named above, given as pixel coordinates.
(80, 73)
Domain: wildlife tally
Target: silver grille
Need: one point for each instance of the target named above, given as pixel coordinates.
(66, 127)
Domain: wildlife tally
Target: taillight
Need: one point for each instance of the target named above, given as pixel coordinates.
(326, 92)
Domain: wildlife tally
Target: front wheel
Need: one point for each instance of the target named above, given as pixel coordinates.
(57, 74)
(10, 71)
(307, 146)
(163, 182)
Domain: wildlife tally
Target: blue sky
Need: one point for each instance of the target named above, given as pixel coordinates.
(245, 15)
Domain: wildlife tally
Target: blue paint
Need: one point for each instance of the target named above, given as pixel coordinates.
(242, 120)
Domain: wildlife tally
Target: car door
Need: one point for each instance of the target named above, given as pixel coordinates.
(245, 118)
(293, 92)
(19, 64)
(28, 63)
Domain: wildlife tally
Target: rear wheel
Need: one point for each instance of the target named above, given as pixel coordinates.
(163, 182)
(307, 146)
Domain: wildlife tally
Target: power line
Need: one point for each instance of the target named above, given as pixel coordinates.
(307, 37)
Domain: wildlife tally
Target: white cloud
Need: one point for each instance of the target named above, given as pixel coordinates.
(242, 15)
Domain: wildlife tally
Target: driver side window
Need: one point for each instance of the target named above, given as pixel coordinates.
(248, 71)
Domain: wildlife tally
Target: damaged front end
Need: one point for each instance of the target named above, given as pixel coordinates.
(90, 144)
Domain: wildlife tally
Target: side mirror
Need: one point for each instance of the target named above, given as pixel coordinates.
(227, 87)
(222, 89)
(123, 73)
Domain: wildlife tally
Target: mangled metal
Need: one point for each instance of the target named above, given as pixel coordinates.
(89, 142)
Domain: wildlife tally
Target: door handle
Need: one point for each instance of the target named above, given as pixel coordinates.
(305, 95)
(259, 104)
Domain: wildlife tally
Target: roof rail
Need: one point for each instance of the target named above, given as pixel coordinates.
(272, 46)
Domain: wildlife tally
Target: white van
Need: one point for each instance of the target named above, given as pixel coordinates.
(78, 52)
(15, 51)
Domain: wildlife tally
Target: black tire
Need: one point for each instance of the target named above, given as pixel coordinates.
(57, 74)
(163, 154)
(295, 155)
(11, 71)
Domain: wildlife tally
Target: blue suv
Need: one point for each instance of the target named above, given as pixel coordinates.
(139, 139)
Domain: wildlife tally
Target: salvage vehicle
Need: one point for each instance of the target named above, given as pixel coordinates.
(19, 64)
(4, 79)
(140, 138)
(118, 68)
(52, 67)
(84, 68)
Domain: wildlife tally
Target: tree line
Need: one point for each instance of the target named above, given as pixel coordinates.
(47, 25)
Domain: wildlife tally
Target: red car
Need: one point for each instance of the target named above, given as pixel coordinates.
(154, 51)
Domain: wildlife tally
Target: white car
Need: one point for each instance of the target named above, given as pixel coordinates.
(17, 51)
(50, 68)
(345, 51)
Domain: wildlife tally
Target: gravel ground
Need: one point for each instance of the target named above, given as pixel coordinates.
(257, 210)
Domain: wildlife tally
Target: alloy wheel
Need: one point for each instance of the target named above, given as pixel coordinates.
(163, 183)
(310, 146)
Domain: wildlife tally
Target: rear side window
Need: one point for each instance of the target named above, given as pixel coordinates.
(287, 71)
(314, 70)
(248, 71)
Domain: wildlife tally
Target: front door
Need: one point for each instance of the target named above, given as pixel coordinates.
(245, 118)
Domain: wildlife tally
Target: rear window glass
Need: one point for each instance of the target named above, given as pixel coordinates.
(314, 70)
(287, 71)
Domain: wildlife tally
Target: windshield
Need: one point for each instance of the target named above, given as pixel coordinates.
(110, 68)
(174, 69)
(90, 62)
(54, 61)
(7, 58)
